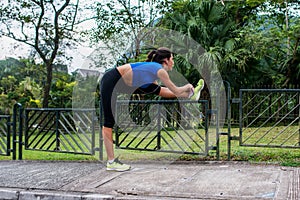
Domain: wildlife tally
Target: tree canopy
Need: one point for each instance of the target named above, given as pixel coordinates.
(46, 26)
(252, 42)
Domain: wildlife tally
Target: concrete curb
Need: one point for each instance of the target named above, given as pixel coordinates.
(21, 194)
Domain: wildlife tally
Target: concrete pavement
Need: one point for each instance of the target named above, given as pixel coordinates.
(30, 180)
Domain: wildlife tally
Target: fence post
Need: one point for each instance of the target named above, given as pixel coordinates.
(20, 133)
(299, 117)
(159, 127)
(14, 146)
(207, 113)
(101, 136)
(241, 117)
(8, 136)
(57, 118)
(228, 120)
(17, 107)
(94, 119)
(217, 113)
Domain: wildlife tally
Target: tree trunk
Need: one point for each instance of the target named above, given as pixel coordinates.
(287, 28)
(47, 86)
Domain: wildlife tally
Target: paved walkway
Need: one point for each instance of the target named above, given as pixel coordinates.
(30, 180)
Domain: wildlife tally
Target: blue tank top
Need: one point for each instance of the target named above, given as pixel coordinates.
(144, 73)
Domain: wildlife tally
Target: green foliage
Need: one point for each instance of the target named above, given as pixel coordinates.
(253, 42)
(273, 41)
(61, 91)
(4, 102)
(8, 83)
(45, 26)
(22, 80)
(29, 93)
(214, 27)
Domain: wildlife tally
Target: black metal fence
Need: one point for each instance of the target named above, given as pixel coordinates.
(61, 130)
(163, 125)
(270, 117)
(267, 118)
(51, 130)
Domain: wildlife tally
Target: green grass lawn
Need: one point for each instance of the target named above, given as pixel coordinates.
(280, 156)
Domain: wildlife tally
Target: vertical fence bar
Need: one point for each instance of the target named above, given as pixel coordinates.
(93, 131)
(14, 136)
(228, 120)
(116, 127)
(100, 133)
(26, 119)
(20, 142)
(8, 136)
(299, 117)
(241, 116)
(217, 123)
(57, 118)
(206, 127)
(159, 127)
(17, 107)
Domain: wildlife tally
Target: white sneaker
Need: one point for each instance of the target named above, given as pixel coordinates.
(198, 89)
(117, 166)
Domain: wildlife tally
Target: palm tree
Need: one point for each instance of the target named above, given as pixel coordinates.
(208, 24)
(224, 34)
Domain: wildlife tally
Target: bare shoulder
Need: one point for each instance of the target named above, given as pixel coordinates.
(123, 69)
(162, 74)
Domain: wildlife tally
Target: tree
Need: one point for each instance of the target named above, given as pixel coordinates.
(272, 36)
(213, 27)
(253, 42)
(29, 93)
(45, 25)
(62, 88)
(8, 84)
(22, 80)
(120, 22)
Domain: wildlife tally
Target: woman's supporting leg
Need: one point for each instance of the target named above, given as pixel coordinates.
(108, 142)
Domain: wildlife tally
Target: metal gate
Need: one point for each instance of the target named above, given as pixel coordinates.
(163, 125)
(49, 129)
(270, 118)
(60, 130)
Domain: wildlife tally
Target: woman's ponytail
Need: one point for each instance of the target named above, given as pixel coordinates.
(151, 56)
(159, 55)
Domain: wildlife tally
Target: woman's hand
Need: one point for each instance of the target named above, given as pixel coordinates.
(188, 90)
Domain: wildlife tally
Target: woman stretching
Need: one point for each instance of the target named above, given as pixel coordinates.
(141, 76)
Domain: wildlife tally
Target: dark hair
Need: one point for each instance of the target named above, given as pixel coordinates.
(159, 55)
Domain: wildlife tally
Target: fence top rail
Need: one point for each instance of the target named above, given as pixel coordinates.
(60, 109)
(270, 90)
(4, 116)
(161, 101)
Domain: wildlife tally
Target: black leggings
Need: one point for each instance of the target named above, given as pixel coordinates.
(111, 83)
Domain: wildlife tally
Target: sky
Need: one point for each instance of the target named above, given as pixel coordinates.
(11, 48)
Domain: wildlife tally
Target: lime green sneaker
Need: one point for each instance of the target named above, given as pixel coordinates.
(117, 166)
(197, 90)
